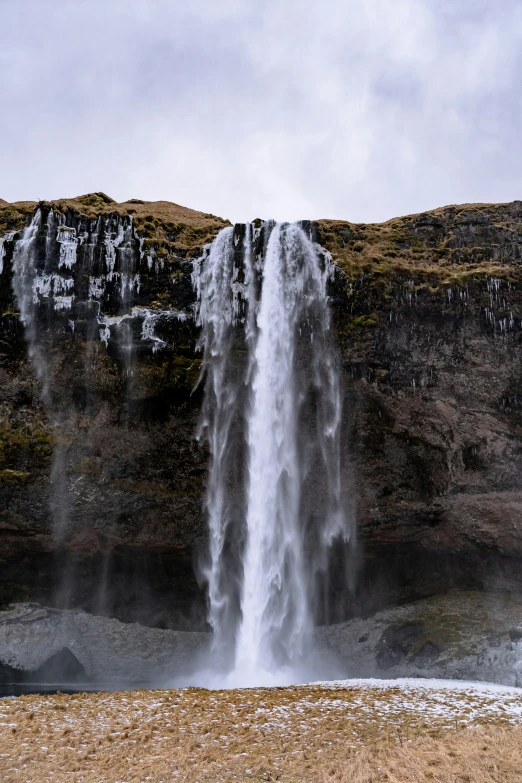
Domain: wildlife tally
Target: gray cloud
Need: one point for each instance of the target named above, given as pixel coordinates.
(361, 109)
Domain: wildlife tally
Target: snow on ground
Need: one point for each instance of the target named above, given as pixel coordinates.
(195, 734)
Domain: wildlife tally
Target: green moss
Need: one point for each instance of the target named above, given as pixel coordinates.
(96, 199)
(13, 439)
(16, 444)
(451, 619)
(365, 321)
(11, 477)
(186, 370)
(88, 467)
(171, 239)
(178, 373)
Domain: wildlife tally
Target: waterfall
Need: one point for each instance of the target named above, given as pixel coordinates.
(25, 290)
(269, 537)
(49, 291)
(222, 296)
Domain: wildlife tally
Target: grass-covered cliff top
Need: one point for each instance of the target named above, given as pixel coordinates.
(444, 246)
(168, 227)
(448, 245)
(13, 217)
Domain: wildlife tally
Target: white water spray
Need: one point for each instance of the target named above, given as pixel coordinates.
(26, 287)
(262, 596)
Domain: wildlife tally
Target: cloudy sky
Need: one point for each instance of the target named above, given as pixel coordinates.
(356, 109)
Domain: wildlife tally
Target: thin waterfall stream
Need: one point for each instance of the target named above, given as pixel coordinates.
(271, 417)
(78, 284)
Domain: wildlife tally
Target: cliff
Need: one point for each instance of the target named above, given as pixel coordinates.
(102, 479)
(429, 327)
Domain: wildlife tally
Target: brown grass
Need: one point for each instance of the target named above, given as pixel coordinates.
(454, 244)
(434, 247)
(13, 217)
(296, 735)
(168, 228)
(492, 756)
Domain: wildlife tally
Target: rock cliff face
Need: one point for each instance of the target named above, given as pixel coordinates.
(101, 478)
(429, 324)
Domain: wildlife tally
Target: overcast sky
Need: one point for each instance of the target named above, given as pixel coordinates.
(355, 109)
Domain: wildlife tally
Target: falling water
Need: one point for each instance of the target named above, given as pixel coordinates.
(64, 279)
(261, 598)
(45, 284)
(25, 290)
(218, 312)
(222, 284)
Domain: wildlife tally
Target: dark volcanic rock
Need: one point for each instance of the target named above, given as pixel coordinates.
(456, 635)
(430, 330)
(426, 655)
(62, 667)
(395, 644)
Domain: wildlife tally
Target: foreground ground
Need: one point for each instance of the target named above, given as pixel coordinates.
(353, 732)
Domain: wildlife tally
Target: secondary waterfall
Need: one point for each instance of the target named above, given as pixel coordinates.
(271, 416)
(76, 283)
(51, 295)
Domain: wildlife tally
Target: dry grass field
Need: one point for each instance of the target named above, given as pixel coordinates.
(350, 733)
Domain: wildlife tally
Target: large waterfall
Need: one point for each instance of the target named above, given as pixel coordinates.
(271, 416)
